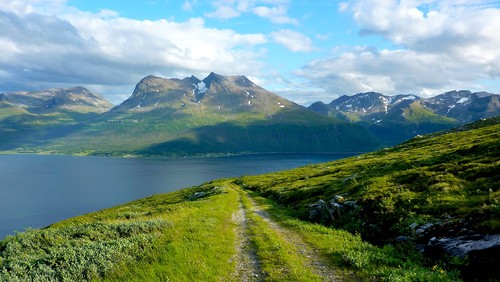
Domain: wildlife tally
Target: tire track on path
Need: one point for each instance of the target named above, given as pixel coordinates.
(247, 263)
(310, 257)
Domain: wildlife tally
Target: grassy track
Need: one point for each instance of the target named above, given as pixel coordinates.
(173, 237)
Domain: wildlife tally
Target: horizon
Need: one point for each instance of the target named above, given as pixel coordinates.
(305, 105)
(303, 51)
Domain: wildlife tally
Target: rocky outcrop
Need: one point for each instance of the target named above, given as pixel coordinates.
(331, 210)
(75, 99)
(449, 237)
(202, 194)
(464, 245)
(481, 251)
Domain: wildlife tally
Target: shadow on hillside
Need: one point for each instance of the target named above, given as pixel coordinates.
(268, 136)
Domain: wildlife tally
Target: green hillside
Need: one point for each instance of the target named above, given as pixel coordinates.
(31, 119)
(258, 228)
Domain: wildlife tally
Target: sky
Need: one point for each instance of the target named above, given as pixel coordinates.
(303, 50)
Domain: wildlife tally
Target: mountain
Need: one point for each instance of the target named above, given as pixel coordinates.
(465, 106)
(394, 119)
(76, 99)
(216, 115)
(28, 118)
(214, 95)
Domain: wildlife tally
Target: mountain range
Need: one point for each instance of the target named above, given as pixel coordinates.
(174, 117)
(394, 119)
(222, 115)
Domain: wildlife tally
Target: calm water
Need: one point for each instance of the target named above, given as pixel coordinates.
(36, 191)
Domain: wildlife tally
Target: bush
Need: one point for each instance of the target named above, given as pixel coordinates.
(76, 253)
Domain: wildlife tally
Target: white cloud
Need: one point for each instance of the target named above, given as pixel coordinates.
(275, 11)
(224, 12)
(443, 45)
(277, 14)
(33, 6)
(104, 49)
(293, 40)
(391, 72)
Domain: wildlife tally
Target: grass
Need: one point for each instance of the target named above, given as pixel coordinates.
(430, 177)
(278, 257)
(171, 237)
(354, 258)
(164, 237)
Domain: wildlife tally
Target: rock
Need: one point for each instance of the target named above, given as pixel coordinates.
(462, 246)
(349, 178)
(413, 225)
(338, 199)
(327, 211)
(482, 252)
(402, 239)
(316, 210)
(197, 195)
(483, 265)
(351, 204)
(427, 226)
(419, 231)
(338, 208)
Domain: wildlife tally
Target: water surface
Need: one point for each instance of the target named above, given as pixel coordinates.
(37, 190)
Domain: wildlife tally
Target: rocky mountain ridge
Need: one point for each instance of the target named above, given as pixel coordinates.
(397, 118)
(77, 99)
(189, 116)
(215, 93)
(462, 106)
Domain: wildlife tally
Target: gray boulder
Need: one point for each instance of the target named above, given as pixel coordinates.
(197, 195)
(482, 251)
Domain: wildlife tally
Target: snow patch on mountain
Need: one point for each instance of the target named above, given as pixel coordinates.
(201, 86)
(449, 109)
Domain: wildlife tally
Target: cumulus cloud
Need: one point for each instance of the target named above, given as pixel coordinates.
(441, 45)
(388, 71)
(293, 40)
(276, 14)
(33, 6)
(103, 49)
(275, 11)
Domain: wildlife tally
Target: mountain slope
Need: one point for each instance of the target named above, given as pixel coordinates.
(394, 119)
(28, 119)
(446, 184)
(76, 99)
(440, 192)
(216, 115)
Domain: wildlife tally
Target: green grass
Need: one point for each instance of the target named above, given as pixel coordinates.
(279, 258)
(171, 238)
(168, 237)
(160, 238)
(357, 259)
(456, 175)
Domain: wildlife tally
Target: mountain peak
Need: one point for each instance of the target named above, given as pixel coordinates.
(213, 77)
(215, 93)
(76, 99)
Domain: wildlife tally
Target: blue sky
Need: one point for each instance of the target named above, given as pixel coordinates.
(303, 50)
